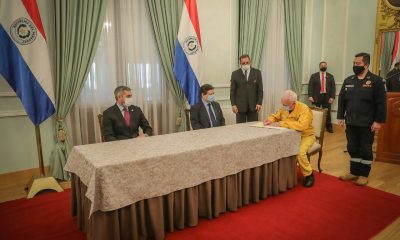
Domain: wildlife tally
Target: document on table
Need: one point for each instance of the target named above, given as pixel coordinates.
(261, 125)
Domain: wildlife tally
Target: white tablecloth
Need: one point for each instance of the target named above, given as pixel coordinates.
(121, 173)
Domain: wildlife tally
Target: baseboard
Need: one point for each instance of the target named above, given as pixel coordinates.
(13, 185)
(20, 175)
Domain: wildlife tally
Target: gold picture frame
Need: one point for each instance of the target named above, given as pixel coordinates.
(394, 4)
(387, 20)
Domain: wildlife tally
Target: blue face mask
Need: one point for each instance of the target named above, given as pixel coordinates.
(286, 108)
(211, 98)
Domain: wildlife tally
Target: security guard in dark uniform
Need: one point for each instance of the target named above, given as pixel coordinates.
(362, 107)
(393, 79)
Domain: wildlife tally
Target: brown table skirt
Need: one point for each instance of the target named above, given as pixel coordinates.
(151, 218)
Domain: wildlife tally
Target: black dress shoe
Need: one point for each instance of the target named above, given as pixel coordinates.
(309, 181)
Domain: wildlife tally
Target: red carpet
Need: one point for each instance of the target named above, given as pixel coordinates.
(330, 210)
(46, 216)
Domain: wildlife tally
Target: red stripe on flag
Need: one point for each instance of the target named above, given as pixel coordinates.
(33, 11)
(395, 48)
(192, 10)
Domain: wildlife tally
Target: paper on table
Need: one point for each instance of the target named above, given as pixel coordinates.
(261, 125)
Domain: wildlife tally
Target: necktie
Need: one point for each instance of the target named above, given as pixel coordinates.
(245, 74)
(322, 82)
(127, 117)
(212, 116)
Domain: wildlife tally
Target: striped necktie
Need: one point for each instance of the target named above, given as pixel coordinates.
(212, 116)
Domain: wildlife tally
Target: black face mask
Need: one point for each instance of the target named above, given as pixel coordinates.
(358, 70)
(323, 69)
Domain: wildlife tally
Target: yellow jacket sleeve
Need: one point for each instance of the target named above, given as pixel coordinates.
(303, 122)
(276, 117)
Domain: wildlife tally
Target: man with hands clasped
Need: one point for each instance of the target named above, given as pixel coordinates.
(246, 91)
(322, 90)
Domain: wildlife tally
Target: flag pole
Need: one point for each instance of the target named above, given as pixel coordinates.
(39, 149)
(41, 182)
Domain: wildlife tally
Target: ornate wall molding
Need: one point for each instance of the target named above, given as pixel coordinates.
(15, 113)
(8, 94)
(387, 20)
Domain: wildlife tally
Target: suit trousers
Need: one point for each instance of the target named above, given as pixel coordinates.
(323, 102)
(359, 146)
(248, 116)
(305, 144)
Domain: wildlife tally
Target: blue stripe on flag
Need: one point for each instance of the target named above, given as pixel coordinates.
(14, 69)
(185, 76)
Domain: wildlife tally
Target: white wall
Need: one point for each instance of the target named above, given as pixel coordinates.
(218, 25)
(335, 31)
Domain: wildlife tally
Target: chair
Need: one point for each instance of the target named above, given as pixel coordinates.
(319, 121)
(100, 117)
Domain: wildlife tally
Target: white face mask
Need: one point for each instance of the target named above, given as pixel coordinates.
(128, 101)
(286, 108)
(246, 67)
(211, 98)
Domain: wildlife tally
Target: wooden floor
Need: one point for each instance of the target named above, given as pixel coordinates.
(335, 161)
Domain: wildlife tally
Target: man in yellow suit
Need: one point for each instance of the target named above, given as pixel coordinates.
(297, 116)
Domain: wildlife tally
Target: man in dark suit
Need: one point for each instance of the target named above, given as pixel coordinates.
(207, 113)
(123, 119)
(246, 91)
(322, 90)
(393, 79)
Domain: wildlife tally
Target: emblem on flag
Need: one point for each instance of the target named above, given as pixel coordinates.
(191, 45)
(23, 31)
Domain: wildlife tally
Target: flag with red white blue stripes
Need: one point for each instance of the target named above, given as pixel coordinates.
(188, 53)
(24, 57)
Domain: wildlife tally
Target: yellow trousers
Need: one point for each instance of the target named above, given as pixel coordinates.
(305, 144)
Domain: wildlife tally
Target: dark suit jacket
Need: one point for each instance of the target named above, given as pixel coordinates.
(199, 116)
(393, 80)
(246, 94)
(314, 86)
(114, 127)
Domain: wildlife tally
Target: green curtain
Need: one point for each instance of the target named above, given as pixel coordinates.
(294, 24)
(253, 17)
(165, 18)
(78, 26)
(388, 43)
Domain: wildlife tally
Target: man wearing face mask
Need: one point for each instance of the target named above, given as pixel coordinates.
(362, 109)
(393, 79)
(246, 91)
(123, 119)
(207, 113)
(297, 116)
(321, 91)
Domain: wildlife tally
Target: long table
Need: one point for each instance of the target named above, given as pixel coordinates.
(140, 188)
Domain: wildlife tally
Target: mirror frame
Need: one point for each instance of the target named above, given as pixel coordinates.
(387, 20)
